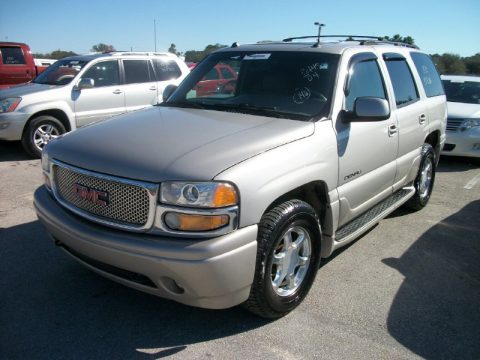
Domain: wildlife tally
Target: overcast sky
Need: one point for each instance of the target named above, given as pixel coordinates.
(437, 26)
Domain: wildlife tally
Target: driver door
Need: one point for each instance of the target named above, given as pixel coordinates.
(105, 99)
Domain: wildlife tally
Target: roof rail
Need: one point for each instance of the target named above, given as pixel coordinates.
(137, 53)
(388, 42)
(347, 37)
(363, 39)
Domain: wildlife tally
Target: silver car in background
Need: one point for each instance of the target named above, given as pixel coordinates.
(80, 90)
(463, 125)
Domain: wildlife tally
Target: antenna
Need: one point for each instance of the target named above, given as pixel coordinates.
(319, 32)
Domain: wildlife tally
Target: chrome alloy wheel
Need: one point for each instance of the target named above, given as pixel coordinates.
(291, 258)
(43, 134)
(425, 178)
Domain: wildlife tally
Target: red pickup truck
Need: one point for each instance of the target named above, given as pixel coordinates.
(17, 65)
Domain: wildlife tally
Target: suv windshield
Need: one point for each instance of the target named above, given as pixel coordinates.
(463, 92)
(293, 85)
(61, 72)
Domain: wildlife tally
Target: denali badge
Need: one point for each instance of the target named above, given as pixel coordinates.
(97, 197)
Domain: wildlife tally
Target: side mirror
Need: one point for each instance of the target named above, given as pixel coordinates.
(168, 91)
(86, 83)
(370, 108)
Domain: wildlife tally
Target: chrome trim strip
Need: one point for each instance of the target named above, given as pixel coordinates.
(152, 190)
(161, 228)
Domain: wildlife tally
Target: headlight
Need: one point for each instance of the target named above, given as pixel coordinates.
(198, 194)
(45, 161)
(9, 104)
(469, 123)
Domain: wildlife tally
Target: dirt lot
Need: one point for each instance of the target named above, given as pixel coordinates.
(409, 288)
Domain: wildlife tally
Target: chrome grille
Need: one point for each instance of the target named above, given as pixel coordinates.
(127, 203)
(454, 124)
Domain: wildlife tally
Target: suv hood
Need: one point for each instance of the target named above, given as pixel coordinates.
(463, 111)
(166, 143)
(24, 89)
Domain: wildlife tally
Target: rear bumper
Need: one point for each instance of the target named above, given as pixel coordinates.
(465, 143)
(213, 273)
(12, 125)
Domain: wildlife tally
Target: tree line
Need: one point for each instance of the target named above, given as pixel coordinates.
(446, 63)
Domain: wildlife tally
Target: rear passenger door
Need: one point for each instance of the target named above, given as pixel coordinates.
(140, 84)
(368, 148)
(411, 114)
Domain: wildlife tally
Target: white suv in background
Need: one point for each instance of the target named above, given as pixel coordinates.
(79, 90)
(463, 125)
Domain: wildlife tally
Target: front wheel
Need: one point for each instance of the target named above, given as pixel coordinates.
(288, 257)
(425, 178)
(39, 132)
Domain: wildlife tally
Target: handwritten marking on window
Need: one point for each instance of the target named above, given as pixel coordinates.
(301, 95)
(310, 72)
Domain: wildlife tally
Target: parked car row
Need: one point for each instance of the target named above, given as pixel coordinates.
(79, 90)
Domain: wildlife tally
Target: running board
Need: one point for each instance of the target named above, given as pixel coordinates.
(368, 219)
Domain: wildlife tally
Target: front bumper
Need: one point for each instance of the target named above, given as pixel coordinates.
(463, 143)
(12, 125)
(210, 273)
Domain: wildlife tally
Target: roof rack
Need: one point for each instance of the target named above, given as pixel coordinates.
(388, 42)
(136, 53)
(363, 39)
(347, 37)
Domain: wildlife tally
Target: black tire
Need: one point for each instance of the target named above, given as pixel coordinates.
(32, 132)
(274, 226)
(423, 192)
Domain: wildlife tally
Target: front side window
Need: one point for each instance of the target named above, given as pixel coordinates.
(61, 72)
(12, 55)
(104, 73)
(137, 71)
(467, 92)
(428, 73)
(286, 84)
(365, 80)
(402, 81)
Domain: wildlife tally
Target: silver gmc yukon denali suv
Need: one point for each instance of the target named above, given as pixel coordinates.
(232, 196)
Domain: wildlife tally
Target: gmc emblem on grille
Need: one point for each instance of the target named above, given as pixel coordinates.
(94, 196)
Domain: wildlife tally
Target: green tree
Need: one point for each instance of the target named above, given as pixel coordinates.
(472, 63)
(398, 38)
(57, 54)
(173, 49)
(449, 64)
(103, 48)
(196, 56)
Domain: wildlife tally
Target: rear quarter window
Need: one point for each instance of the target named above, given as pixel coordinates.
(428, 73)
(167, 70)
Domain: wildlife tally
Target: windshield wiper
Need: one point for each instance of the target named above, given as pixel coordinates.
(183, 104)
(263, 110)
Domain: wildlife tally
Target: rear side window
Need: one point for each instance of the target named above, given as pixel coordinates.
(12, 55)
(226, 74)
(402, 81)
(428, 73)
(137, 71)
(365, 80)
(167, 70)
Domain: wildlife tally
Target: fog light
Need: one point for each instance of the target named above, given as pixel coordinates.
(188, 222)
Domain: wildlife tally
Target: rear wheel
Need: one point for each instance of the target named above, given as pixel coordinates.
(424, 180)
(39, 132)
(288, 257)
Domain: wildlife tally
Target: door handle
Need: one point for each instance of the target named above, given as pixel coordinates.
(118, 91)
(153, 88)
(392, 130)
(422, 118)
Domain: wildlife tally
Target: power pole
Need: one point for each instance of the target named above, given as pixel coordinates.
(155, 34)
